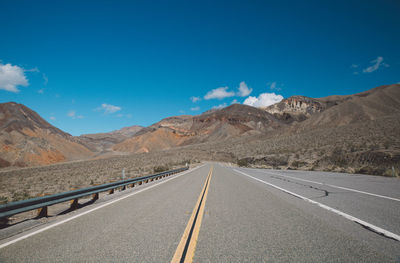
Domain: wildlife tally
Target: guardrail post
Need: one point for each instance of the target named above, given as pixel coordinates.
(123, 188)
(140, 183)
(42, 212)
(132, 185)
(74, 204)
(111, 191)
(95, 196)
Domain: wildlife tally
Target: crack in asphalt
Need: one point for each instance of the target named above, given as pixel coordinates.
(326, 193)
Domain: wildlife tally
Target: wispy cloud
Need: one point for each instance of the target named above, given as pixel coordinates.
(274, 86)
(234, 101)
(195, 99)
(195, 108)
(45, 79)
(219, 93)
(41, 91)
(220, 106)
(108, 108)
(243, 90)
(377, 63)
(263, 100)
(52, 118)
(11, 77)
(72, 115)
(120, 115)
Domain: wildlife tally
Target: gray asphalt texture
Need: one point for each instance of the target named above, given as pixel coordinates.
(244, 221)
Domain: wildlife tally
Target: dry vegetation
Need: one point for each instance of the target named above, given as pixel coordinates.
(370, 147)
(26, 183)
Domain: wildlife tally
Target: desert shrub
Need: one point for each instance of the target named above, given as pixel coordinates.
(161, 168)
(3, 200)
(17, 196)
(243, 162)
(297, 164)
(274, 161)
(338, 158)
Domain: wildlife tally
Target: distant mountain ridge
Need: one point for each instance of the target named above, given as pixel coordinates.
(103, 142)
(26, 139)
(232, 121)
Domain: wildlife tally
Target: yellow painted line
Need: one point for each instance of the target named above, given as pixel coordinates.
(187, 246)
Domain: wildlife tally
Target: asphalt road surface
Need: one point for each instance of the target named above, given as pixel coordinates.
(217, 213)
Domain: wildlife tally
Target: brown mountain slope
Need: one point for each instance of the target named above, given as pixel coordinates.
(369, 105)
(26, 139)
(233, 121)
(103, 142)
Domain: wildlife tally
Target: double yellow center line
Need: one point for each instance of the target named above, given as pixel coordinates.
(187, 245)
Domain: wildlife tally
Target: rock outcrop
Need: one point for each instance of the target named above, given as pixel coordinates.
(297, 108)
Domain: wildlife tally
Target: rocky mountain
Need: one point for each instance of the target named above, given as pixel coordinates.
(297, 108)
(26, 139)
(233, 121)
(338, 110)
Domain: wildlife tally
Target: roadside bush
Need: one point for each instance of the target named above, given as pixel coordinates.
(243, 162)
(296, 164)
(161, 168)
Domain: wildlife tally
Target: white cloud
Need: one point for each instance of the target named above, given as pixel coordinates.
(195, 99)
(219, 93)
(45, 79)
(108, 108)
(234, 101)
(72, 114)
(274, 86)
(120, 115)
(243, 90)
(354, 66)
(41, 91)
(35, 69)
(220, 106)
(377, 63)
(263, 100)
(52, 118)
(11, 77)
(195, 108)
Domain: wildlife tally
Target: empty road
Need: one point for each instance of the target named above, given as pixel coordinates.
(218, 213)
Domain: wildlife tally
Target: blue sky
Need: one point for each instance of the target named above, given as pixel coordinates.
(97, 66)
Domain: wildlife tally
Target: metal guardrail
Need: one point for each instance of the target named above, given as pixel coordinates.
(43, 202)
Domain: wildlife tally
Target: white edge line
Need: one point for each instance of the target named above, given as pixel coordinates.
(91, 210)
(335, 186)
(347, 216)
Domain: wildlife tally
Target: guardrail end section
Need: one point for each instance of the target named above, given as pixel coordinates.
(42, 212)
